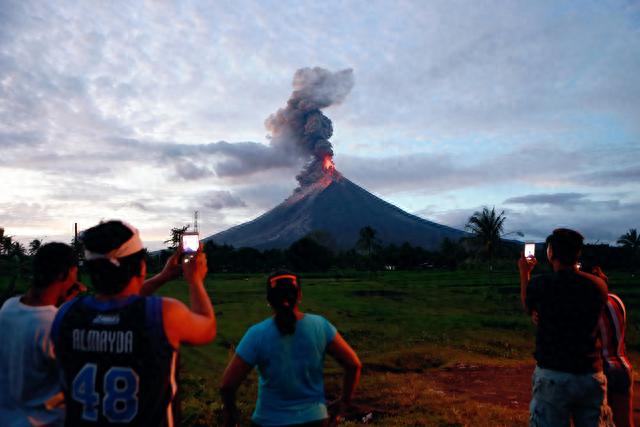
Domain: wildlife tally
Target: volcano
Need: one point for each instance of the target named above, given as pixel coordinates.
(337, 206)
(325, 200)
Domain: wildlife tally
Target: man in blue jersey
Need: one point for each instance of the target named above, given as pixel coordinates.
(117, 350)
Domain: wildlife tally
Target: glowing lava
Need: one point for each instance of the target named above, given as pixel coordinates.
(327, 165)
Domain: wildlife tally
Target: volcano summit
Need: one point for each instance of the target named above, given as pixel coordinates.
(325, 200)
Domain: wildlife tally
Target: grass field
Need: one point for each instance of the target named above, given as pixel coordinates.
(432, 344)
(408, 329)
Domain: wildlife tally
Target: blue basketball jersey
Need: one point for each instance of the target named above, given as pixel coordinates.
(117, 365)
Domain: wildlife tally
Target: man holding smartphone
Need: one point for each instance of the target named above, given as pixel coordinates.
(568, 382)
(118, 350)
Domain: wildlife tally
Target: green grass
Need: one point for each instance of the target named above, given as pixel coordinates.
(402, 325)
(405, 326)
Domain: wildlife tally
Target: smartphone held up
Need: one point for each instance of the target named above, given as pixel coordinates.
(529, 250)
(189, 243)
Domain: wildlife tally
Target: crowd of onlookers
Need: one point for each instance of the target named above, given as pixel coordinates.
(109, 357)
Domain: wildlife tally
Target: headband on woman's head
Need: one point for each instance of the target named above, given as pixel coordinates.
(274, 280)
(130, 247)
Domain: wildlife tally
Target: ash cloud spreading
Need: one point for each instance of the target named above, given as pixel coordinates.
(299, 131)
(301, 128)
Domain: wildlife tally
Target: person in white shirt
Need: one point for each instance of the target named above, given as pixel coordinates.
(30, 390)
(30, 393)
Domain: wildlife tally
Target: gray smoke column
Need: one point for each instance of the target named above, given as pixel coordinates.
(300, 129)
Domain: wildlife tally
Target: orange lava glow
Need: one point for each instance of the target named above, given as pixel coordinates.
(327, 164)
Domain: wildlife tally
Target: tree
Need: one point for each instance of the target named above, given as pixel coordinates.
(34, 245)
(78, 248)
(324, 238)
(486, 227)
(17, 250)
(630, 240)
(367, 241)
(6, 242)
(308, 255)
(451, 254)
(175, 236)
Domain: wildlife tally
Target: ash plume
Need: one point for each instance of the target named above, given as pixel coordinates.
(300, 128)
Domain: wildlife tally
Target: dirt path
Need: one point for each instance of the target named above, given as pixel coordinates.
(499, 385)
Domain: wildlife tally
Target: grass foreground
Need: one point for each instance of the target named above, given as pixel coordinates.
(438, 348)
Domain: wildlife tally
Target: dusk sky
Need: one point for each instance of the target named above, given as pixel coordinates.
(147, 111)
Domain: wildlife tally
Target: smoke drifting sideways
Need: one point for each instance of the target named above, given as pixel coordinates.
(300, 129)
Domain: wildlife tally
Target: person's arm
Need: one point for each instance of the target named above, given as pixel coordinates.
(233, 376)
(525, 265)
(342, 352)
(196, 324)
(171, 270)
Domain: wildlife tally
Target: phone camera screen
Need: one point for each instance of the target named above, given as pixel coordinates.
(190, 243)
(529, 250)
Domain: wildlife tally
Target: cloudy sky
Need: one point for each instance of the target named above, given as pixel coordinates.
(147, 111)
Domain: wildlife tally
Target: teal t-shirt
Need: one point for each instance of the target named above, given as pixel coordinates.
(291, 383)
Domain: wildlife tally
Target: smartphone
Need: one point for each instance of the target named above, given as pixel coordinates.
(190, 242)
(529, 250)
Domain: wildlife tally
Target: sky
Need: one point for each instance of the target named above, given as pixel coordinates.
(148, 111)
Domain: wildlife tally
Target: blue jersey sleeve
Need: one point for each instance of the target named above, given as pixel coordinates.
(248, 347)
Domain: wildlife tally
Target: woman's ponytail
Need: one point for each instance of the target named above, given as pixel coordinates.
(283, 290)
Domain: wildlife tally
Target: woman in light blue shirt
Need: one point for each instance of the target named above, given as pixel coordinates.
(288, 349)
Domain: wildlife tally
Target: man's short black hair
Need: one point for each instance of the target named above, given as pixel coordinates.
(51, 263)
(566, 245)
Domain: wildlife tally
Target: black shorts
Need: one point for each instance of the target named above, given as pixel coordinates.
(619, 380)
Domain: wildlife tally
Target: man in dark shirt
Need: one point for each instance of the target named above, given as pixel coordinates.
(568, 382)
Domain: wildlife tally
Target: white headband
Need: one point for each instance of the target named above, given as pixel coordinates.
(130, 247)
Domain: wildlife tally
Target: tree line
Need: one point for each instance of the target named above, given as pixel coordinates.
(487, 245)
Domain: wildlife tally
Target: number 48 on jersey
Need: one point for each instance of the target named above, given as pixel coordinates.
(119, 394)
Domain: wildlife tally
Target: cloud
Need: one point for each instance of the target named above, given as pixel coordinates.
(100, 109)
(218, 200)
(557, 199)
(13, 139)
(188, 170)
(22, 214)
(441, 171)
(611, 177)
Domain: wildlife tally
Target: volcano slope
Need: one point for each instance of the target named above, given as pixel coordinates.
(341, 208)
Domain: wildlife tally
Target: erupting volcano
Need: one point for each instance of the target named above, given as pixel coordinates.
(325, 200)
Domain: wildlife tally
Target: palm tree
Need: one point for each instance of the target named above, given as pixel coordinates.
(175, 236)
(6, 243)
(630, 240)
(487, 227)
(34, 245)
(367, 241)
(17, 250)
